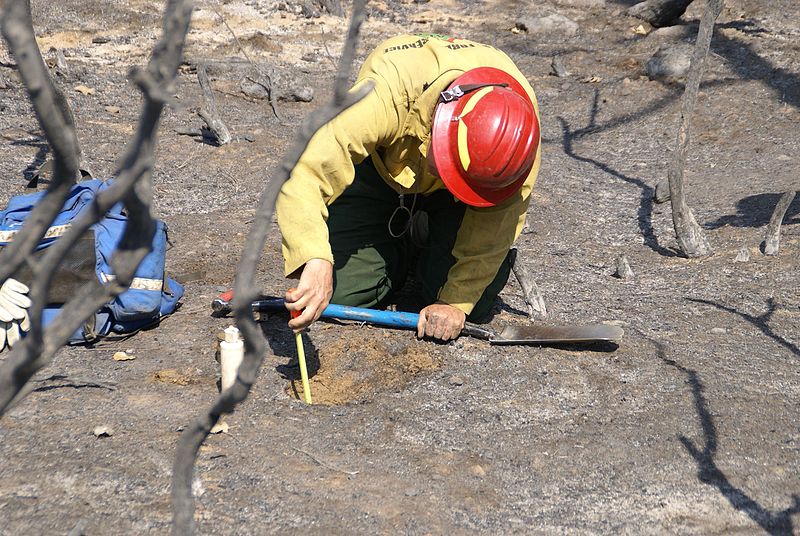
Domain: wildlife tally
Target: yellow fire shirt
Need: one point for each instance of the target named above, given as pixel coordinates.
(392, 125)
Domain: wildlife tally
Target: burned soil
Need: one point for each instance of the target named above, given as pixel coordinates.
(688, 427)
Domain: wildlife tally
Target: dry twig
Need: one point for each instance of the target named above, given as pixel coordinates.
(691, 239)
(267, 84)
(324, 464)
(245, 289)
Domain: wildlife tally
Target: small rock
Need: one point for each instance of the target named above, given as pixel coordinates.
(550, 24)
(743, 255)
(309, 11)
(123, 356)
(412, 492)
(658, 12)
(718, 331)
(623, 268)
(672, 33)
(220, 428)
(100, 40)
(303, 94)
(669, 62)
(84, 90)
(253, 89)
(557, 67)
(103, 431)
(112, 109)
(477, 470)
(456, 381)
(582, 3)
(662, 194)
(197, 487)
(60, 60)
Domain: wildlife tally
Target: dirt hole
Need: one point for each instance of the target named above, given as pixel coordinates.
(343, 372)
(177, 377)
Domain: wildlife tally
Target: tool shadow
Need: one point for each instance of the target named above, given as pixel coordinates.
(281, 341)
(605, 347)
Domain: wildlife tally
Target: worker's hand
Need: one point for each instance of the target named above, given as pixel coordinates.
(312, 295)
(440, 321)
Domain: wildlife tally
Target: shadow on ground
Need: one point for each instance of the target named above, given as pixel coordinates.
(761, 321)
(647, 192)
(756, 211)
(774, 523)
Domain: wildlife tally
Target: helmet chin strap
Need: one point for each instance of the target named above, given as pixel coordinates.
(456, 92)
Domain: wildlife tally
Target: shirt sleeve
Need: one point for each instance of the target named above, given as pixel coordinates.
(327, 168)
(482, 243)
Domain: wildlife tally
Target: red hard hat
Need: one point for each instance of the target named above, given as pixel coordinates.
(485, 136)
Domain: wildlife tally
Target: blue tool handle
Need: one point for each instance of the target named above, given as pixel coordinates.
(375, 317)
(390, 319)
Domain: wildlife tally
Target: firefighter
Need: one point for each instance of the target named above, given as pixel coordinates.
(432, 172)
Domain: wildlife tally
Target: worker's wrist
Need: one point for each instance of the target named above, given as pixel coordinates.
(317, 261)
(464, 307)
(296, 260)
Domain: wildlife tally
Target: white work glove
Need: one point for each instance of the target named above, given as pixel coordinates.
(13, 312)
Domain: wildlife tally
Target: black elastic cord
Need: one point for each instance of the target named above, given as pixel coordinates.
(456, 92)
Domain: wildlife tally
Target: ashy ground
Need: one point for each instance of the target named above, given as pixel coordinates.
(689, 427)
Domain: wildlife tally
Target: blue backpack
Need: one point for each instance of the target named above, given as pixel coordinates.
(151, 296)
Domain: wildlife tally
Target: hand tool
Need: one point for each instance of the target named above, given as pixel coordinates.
(511, 334)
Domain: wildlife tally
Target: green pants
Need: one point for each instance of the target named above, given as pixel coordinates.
(371, 265)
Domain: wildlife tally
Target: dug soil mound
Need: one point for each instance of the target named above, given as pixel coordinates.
(355, 371)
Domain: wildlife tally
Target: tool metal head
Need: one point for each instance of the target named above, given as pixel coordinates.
(539, 334)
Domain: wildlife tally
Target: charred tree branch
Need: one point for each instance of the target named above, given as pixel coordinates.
(56, 121)
(537, 309)
(216, 126)
(134, 188)
(691, 239)
(773, 237)
(245, 290)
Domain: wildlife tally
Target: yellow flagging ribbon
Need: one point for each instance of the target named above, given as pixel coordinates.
(301, 357)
